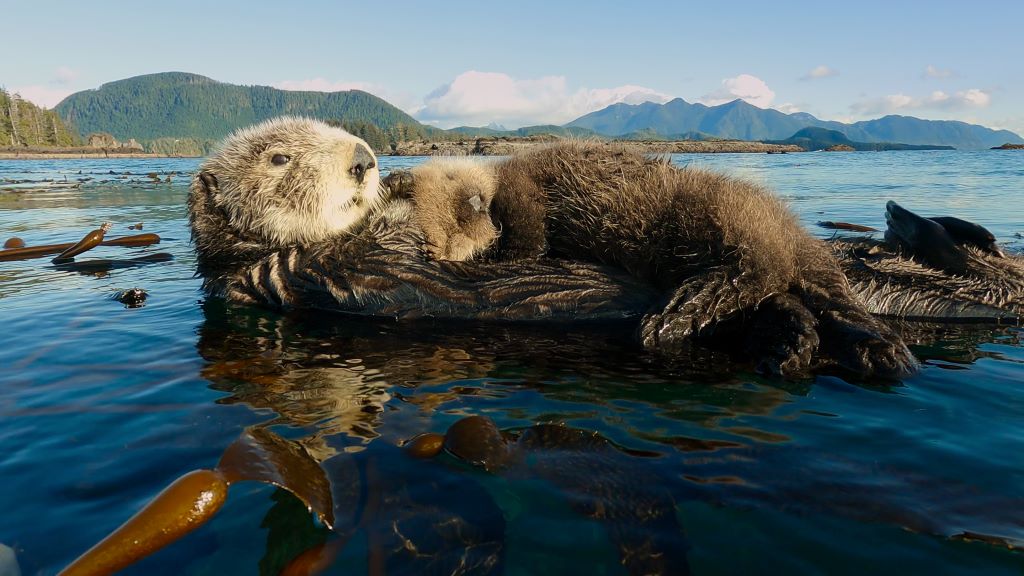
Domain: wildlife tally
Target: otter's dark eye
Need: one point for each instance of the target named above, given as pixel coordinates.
(280, 159)
(358, 170)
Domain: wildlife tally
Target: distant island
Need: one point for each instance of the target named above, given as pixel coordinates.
(183, 114)
(1009, 146)
(835, 141)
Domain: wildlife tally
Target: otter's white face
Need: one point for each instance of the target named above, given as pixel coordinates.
(292, 181)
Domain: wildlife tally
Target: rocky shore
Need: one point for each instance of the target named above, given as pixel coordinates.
(504, 146)
(48, 153)
(1008, 147)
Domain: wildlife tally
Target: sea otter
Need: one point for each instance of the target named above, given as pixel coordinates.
(937, 269)
(358, 253)
(703, 255)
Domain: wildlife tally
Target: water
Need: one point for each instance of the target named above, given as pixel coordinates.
(102, 406)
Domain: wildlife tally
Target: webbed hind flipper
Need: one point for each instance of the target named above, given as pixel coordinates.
(782, 337)
(857, 341)
(851, 336)
(693, 309)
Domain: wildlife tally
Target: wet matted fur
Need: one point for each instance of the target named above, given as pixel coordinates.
(708, 252)
(724, 253)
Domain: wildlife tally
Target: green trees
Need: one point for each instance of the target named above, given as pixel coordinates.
(193, 111)
(22, 123)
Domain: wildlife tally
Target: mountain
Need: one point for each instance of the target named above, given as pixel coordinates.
(743, 121)
(178, 105)
(912, 130)
(813, 138)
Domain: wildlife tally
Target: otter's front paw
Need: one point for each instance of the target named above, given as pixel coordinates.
(865, 346)
(782, 338)
(400, 183)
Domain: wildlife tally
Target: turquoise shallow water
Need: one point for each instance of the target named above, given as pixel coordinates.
(102, 406)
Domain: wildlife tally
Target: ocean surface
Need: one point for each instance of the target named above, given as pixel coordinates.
(102, 406)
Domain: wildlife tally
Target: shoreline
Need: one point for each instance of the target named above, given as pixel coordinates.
(505, 146)
(77, 153)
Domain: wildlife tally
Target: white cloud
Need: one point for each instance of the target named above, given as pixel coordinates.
(402, 100)
(820, 72)
(40, 95)
(749, 88)
(933, 72)
(937, 100)
(477, 98)
(788, 108)
(64, 76)
(50, 94)
(975, 97)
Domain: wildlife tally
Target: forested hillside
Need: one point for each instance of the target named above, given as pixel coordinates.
(176, 112)
(22, 123)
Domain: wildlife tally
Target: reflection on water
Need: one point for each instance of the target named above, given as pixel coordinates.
(102, 406)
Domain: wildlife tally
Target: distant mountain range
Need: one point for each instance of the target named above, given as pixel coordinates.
(743, 121)
(163, 110)
(813, 138)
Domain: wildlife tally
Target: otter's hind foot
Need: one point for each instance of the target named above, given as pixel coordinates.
(859, 342)
(783, 337)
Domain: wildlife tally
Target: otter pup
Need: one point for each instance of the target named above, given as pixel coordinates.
(725, 254)
(452, 200)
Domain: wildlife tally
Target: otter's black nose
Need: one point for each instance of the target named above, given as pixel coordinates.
(362, 160)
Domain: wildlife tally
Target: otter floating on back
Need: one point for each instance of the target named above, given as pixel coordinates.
(937, 269)
(284, 215)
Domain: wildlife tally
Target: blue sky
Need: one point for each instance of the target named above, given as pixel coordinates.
(524, 62)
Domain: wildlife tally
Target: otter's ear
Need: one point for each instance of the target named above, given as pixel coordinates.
(208, 181)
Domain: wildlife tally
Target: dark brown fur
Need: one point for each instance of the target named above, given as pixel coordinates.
(719, 248)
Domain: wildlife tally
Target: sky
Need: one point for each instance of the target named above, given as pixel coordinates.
(525, 62)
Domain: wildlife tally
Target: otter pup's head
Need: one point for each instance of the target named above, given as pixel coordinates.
(453, 199)
(287, 181)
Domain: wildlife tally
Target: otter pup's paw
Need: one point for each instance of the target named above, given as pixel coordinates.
(783, 337)
(692, 310)
(865, 346)
(400, 183)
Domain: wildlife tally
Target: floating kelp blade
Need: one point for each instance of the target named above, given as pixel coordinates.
(46, 249)
(846, 226)
(191, 500)
(262, 456)
(90, 241)
(92, 266)
(181, 508)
